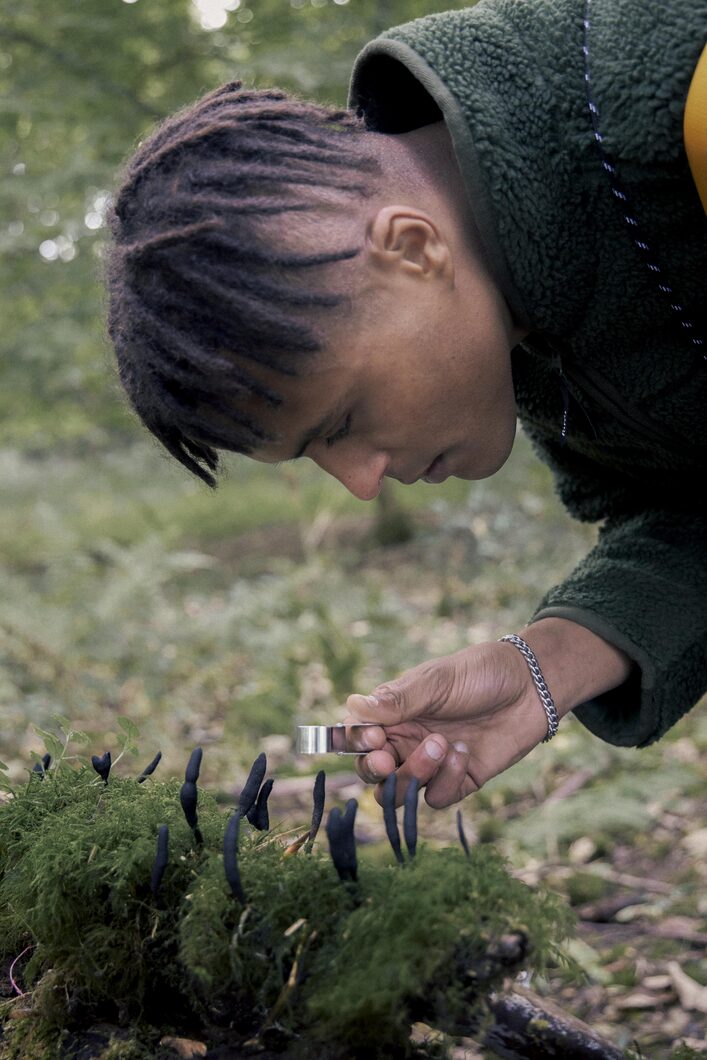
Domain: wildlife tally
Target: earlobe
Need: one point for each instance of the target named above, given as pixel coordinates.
(402, 238)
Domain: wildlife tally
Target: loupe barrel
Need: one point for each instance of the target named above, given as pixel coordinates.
(330, 739)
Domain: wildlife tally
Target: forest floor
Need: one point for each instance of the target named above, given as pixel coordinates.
(222, 631)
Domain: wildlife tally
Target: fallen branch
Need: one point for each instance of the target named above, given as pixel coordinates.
(571, 785)
(529, 1027)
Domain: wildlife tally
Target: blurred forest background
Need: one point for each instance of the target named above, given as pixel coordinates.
(128, 590)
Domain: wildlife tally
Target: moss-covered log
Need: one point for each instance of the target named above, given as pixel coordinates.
(129, 920)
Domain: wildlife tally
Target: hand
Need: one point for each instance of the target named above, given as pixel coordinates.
(455, 722)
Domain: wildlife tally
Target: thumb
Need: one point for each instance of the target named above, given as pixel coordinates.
(423, 690)
(374, 708)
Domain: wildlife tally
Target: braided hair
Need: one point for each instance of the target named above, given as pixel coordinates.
(199, 292)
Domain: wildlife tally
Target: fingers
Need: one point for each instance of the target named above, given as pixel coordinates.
(376, 766)
(445, 779)
(442, 770)
(420, 757)
(368, 709)
(451, 782)
(363, 738)
(422, 763)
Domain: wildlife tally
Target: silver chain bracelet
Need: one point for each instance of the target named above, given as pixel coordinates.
(553, 721)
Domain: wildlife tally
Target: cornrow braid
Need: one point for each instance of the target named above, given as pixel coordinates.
(197, 291)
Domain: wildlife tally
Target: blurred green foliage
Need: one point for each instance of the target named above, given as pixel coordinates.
(81, 81)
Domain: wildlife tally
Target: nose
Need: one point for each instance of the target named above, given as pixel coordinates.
(360, 468)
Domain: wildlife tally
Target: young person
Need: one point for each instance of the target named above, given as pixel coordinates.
(503, 225)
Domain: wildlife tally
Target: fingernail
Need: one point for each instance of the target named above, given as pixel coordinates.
(461, 746)
(372, 700)
(434, 749)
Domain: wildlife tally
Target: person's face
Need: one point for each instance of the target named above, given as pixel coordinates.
(414, 384)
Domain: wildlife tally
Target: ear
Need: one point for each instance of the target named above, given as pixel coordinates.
(408, 240)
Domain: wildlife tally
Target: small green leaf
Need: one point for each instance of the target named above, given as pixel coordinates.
(63, 723)
(79, 736)
(129, 728)
(52, 743)
(3, 767)
(5, 785)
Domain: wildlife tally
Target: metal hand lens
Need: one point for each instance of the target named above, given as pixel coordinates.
(332, 739)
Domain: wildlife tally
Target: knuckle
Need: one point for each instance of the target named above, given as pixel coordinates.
(395, 697)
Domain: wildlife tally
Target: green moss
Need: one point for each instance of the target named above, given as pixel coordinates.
(339, 969)
(585, 887)
(626, 977)
(490, 829)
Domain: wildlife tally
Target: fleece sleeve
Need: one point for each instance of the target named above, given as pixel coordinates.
(643, 588)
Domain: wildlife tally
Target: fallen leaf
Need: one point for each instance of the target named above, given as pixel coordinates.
(421, 1033)
(657, 982)
(606, 909)
(645, 911)
(587, 958)
(641, 999)
(468, 1050)
(684, 928)
(582, 850)
(18, 1012)
(692, 995)
(185, 1048)
(698, 1044)
(696, 842)
(296, 845)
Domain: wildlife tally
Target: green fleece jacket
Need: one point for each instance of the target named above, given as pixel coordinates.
(566, 119)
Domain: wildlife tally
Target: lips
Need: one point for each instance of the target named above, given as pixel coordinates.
(436, 472)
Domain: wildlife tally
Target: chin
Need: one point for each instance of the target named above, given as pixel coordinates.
(477, 469)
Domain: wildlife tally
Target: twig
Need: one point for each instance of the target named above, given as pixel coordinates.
(296, 845)
(624, 879)
(675, 931)
(15, 987)
(286, 991)
(569, 786)
(597, 868)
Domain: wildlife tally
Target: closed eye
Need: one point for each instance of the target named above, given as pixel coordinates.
(340, 433)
